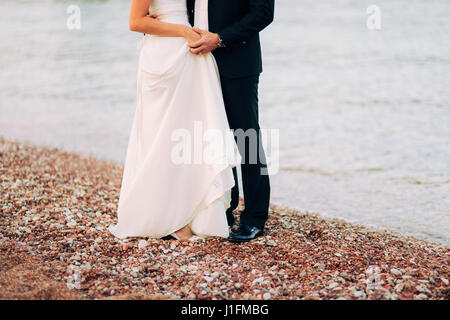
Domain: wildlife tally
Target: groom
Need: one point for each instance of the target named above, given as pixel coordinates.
(233, 38)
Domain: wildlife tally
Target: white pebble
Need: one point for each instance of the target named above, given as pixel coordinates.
(142, 244)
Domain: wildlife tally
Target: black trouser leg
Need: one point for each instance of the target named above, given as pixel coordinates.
(234, 199)
(241, 104)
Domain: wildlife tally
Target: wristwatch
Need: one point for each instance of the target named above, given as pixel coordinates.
(220, 44)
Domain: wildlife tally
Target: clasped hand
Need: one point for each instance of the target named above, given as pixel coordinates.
(201, 41)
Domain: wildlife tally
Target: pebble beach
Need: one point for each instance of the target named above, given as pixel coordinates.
(56, 206)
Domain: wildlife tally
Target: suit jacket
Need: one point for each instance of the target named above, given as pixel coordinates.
(238, 23)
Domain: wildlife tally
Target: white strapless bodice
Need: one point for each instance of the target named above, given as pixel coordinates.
(175, 11)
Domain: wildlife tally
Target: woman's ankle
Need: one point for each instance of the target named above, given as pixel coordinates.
(184, 233)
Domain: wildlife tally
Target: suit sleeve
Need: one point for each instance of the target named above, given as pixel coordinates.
(259, 16)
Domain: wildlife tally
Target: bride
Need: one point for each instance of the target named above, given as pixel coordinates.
(178, 95)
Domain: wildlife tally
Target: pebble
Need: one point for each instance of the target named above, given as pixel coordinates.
(396, 272)
(258, 281)
(320, 266)
(142, 244)
(333, 285)
(421, 289)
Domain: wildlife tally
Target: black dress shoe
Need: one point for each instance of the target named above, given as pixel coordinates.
(245, 233)
(230, 218)
(168, 237)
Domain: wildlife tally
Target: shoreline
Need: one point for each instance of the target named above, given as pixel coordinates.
(55, 207)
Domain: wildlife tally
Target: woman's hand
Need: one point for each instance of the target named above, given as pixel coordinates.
(190, 35)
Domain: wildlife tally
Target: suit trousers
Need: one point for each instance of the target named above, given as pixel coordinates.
(241, 104)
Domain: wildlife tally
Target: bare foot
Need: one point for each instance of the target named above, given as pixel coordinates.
(184, 233)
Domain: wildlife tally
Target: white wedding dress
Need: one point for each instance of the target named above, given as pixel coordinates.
(178, 92)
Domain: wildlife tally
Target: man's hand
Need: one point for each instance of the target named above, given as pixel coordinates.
(207, 43)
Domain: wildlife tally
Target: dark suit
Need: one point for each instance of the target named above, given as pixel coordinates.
(238, 23)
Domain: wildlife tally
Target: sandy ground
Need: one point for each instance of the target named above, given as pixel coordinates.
(55, 207)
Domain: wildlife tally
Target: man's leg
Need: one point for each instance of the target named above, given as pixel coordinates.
(241, 104)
